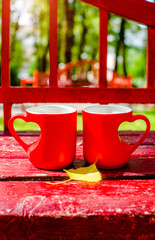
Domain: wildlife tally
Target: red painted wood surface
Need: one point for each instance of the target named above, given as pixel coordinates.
(141, 163)
(121, 206)
(118, 207)
(140, 166)
(5, 56)
(76, 199)
(108, 95)
(136, 10)
(53, 43)
(77, 228)
(5, 65)
(103, 48)
(7, 114)
(107, 210)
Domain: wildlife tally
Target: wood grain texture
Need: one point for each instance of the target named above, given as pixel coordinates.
(16, 166)
(136, 10)
(121, 206)
(100, 95)
(117, 209)
(66, 228)
(12, 151)
(77, 199)
(20, 169)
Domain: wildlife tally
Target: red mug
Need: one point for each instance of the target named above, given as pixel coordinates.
(101, 142)
(56, 146)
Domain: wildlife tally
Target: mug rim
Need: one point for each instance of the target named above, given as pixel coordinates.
(60, 107)
(124, 109)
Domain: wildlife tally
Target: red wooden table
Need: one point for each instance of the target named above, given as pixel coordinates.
(121, 206)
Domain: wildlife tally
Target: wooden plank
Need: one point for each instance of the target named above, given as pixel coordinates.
(151, 57)
(76, 228)
(136, 10)
(21, 133)
(15, 151)
(79, 134)
(77, 199)
(129, 136)
(5, 66)
(113, 209)
(7, 114)
(108, 95)
(53, 43)
(136, 133)
(103, 48)
(30, 136)
(12, 156)
(133, 139)
(20, 169)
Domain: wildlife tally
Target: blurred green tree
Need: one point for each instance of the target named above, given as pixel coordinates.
(127, 41)
(40, 22)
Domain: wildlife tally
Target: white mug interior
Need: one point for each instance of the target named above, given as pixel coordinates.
(51, 109)
(107, 109)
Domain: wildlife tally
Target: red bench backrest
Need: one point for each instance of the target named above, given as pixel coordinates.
(137, 10)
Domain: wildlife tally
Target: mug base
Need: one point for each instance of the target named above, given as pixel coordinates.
(100, 164)
(106, 167)
(53, 168)
(111, 167)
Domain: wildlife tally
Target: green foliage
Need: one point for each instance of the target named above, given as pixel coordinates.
(17, 58)
(135, 46)
(85, 32)
(136, 62)
(90, 49)
(40, 21)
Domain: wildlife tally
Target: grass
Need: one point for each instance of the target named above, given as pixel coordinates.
(139, 125)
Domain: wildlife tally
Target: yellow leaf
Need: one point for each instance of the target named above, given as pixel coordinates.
(88, 174)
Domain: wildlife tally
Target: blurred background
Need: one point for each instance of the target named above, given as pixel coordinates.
(78, 37)
(78, 40)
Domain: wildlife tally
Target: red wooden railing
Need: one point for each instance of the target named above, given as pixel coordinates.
(137, 10)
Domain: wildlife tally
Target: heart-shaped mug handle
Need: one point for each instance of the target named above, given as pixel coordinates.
(24, 145)
(145, 134)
